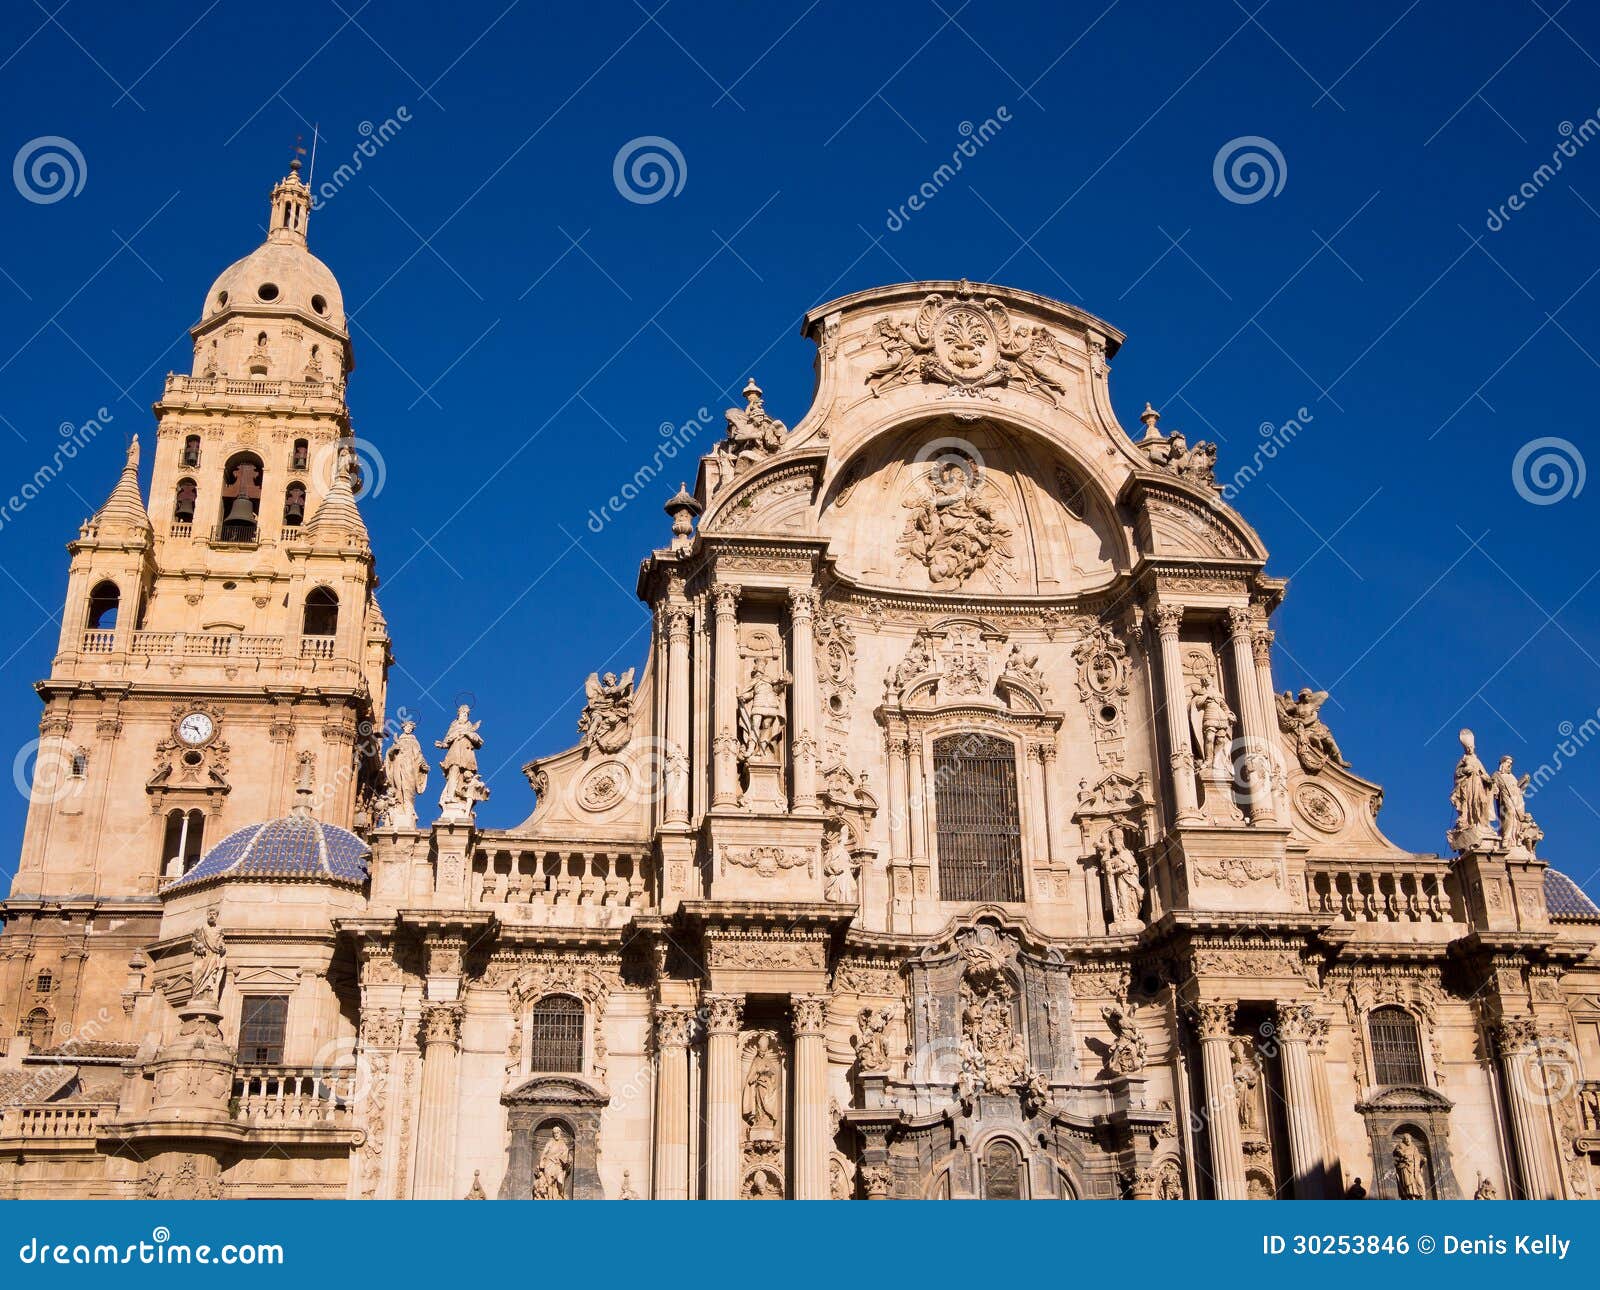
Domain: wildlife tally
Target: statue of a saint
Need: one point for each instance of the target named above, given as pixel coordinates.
(762, 712)
(205, 972)
(1410, 1170)
(838, 871)
(406, 771)
(1211, 720)
(460, 765)
(763, 1089)
(1124, 887)
(872, 1049)
(1470, 796)
(1246, 1076)
(555, 1162)
(1509, 800)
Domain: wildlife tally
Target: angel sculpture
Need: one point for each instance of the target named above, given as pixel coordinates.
(1300, 718)
(605, 720)
(1030, 346)
(1129, 1049)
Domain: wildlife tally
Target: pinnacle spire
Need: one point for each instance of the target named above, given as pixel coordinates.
(291, 208)
(124, 508)
(337, 516)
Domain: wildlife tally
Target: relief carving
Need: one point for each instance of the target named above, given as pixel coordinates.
(608, 716)
(952, 531)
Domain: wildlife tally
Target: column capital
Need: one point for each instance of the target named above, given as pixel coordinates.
(802, 601)
(1214, 1019)
(1168, 619)
(441, 1024)
(677, 619)
(1261, 645)
(810, 1013)
(724, 1013)
(672, 1026)
(725, 597)
(1241, 622)
(1294, 1023)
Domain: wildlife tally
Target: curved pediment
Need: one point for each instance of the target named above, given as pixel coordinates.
(556, 1090)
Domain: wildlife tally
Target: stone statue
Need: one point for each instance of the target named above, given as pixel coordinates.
(476, 1191)
(1211, 720)
(1471, 797)
(1246, 1075)
(993, 1057)
(1129, 1049)
(952, 532)
(1516, 825)
(1485, 1190)
(763, 714)
(1123, 885)
(555, 1162)
(462, 787)
(605, 721)
(752, 433)
(406, 772)
(838, 871)
(1410, 1170)
(1025, 667)
(627, 1192)
(763, 1090)
(918, 661)
(1300, 719)
(205, 973)
(872, 1049)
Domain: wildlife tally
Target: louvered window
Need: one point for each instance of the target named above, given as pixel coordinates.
(975, 803)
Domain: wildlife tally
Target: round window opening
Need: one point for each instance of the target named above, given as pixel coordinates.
(230, 586)
(1108, 714)
(191, 759)
(319, 304)
(267, 291)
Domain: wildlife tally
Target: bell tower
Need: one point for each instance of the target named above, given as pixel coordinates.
(220, 635)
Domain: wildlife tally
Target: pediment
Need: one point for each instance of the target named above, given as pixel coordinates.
(556, 1090)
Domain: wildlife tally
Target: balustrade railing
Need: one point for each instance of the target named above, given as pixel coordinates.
(205, 645)
(563, 886)
(96, 641)
(1405, 892)
(289, 1095)
(53, 1120)
(178, 384)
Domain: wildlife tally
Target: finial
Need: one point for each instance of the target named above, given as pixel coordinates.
(752, 391)
(133, 454)
(1150, 416)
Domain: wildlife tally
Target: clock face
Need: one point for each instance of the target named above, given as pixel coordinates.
(196, 728)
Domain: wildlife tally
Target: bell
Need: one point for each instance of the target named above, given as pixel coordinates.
(293, 512)
(240, 511)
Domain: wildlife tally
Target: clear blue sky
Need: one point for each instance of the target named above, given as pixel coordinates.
(522, 330)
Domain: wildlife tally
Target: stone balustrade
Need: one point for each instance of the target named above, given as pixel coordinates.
(289, 1095)
(582, 888)
(1415, 890)
(97, 641)
(179, 384)
(1589, 1105)
(54, 1121)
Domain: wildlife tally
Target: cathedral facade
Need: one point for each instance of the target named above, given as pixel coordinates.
(955, 837)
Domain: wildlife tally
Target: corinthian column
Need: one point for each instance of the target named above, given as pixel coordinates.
(810, 1097)
(672, 1104)
(723, 1014)
(1180, 755)
(1299, 1091)
(1261, 653)
(725, 658)
(1257, 734)
(1526, 1081)
(678, 714)
(436, 1102)
(803, 665)
(1215, 1024)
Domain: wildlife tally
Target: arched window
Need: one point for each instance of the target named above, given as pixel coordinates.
(556, 1024)
(191, 449)
(103, 603)
(301, 457)
(183, 842)
(1396, 1047)
(1002, 1171)
(39, 1029)
(322, 613)
(975, 804)
(241, 497)
(183, 501)
(294, 505)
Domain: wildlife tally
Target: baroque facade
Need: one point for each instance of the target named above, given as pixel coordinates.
(953, 839)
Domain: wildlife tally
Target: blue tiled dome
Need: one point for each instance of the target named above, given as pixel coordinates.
(1565, 899)
(295, 848)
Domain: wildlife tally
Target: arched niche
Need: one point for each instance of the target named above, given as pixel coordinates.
(972, 508)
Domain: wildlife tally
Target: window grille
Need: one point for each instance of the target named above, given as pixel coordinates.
(557, 1027)
(975, 804)
(1396, 1048)
(262, 1023)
